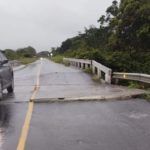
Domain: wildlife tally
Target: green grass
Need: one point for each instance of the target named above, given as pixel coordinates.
(147, 96)
(57, 59)
(26, 61)
(133, 85)
(88, 70)
(66, 63)
(96, 78)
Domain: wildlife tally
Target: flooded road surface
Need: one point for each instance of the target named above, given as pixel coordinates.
(115, 125)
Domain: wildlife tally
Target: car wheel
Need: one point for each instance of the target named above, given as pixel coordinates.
(10, 89)
(1, 91)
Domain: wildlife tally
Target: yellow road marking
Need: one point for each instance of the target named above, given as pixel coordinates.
(25, 129)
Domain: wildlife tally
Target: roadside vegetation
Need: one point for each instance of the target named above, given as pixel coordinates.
(147, 97)
(121, 41)
(25, 60)
(88, 70)
(96, 78)
(57, 59)
(23, 55)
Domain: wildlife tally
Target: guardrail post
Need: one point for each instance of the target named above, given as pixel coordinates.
(78, 65)
(93, 69)
(82, 66)
(86, 66)
(99, 73)
(108, 76)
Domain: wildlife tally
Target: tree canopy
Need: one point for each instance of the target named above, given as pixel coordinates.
(20, 53)
(122, 40)
(26, 52)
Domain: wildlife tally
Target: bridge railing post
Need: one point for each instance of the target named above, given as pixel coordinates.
(99, 73)
(108, 76)
(96, 67)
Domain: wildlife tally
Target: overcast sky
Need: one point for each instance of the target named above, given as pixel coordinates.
(46, 23)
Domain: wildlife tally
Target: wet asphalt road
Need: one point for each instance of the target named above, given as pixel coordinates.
(122, 125)
(116, 125)
(58, 81)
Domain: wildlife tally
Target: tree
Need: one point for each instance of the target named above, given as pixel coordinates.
(26, 52)
(121, 41)
(132, 25)
(10, 54)
(111, 12)
(65, 45)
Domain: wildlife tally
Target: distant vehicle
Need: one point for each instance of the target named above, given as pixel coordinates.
(6, 75)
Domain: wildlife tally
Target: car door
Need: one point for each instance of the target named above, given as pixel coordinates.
(5, 72)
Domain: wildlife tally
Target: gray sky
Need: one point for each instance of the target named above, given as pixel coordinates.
(46, 23)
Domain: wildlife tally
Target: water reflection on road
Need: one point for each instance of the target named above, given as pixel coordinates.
(11, 121)
(1, 138)
(5, 111)
(12, 114)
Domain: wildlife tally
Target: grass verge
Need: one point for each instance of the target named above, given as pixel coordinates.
(147, 96)
(96, 78)
(26, 61)
(135, 85)
(66, 63)
(88, 70)
(57, 59)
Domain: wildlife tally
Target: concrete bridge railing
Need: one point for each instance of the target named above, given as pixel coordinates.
(105, 73)
(102, 71)
(98, 69)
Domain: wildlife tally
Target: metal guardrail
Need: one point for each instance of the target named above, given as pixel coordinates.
(132, 76)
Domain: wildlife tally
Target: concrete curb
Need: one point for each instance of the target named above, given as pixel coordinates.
(90, 98)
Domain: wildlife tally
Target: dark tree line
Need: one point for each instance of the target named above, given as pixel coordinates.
(20, 53)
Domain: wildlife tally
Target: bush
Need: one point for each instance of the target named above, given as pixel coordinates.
(96, 78)
(88, 70)
(66, 63)
(26, 52)
(10, 54)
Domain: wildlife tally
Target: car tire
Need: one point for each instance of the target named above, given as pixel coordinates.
(10, 89)
(1, 91)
